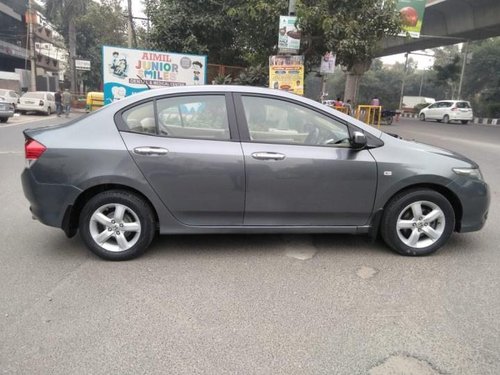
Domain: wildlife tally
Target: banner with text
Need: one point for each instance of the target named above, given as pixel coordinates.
(287, 73)
(412, 15)
(289, 35)
(128, 71)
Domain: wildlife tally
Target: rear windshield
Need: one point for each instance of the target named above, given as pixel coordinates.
(34, 95)
(463, 105)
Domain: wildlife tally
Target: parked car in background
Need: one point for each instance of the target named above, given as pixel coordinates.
(448, 111)
(10, 96)
(37, 101)
(235, 159)
(6, 110)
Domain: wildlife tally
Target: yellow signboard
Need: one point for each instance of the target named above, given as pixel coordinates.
(287, 73)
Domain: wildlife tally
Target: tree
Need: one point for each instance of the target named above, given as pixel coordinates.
(350, 28)
(230, 32)
(482, 78)
(64, 14)
(102, 24)
(447, 65)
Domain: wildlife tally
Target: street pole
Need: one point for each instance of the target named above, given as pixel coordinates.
(129, 23)
(466, 52)
(32, 48)
(403, 83)
(421, 83)
(291, 7)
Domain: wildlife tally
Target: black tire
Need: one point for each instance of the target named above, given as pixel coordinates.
(4, 119)
(22, 112)
(137, 211)
(399, 206)
(422, 117)
(465, 122)
(446, 119)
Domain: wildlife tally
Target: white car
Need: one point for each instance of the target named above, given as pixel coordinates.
(37, 101)
(10, 96)
(447, 111)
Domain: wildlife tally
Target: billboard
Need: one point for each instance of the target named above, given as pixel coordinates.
(128, 71)
(289, 35)
(328, 63)
(82, 65)
(287, 73)
(412, 15)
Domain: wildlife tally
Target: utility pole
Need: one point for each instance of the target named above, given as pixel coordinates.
(131, 36)
(291, 7)
(465, 48)
(403, 82)
(32, 47)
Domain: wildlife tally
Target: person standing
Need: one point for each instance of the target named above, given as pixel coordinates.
(348, 105)
(58, 100)
(66, 101)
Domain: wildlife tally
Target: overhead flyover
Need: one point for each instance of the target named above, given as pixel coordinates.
(449, 22)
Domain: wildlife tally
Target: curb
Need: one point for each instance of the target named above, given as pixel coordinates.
(477, 120)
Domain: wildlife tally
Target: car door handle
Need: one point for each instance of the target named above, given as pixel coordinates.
(268, 156)
(150, 151)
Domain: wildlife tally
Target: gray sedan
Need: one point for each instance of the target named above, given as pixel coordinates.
(232, 159)
(6, 110)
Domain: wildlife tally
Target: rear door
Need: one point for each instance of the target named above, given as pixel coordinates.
(300, 169)
(187, 149)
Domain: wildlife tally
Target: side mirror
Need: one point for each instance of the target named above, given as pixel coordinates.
(358, 140)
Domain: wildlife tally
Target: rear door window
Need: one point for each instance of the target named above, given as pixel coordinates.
(463, 105)
(197, 116)
(141, 118)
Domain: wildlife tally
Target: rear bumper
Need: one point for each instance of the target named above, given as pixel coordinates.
(461, 116)
(34, 108)
(4, 113)
(48, 202)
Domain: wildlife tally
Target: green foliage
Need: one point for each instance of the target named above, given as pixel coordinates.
(102, 24)
(230, 32)
(222, 79)
(254, 76)
(350, 28)
(482, 78)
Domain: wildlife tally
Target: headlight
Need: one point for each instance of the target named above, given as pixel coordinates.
(469, 172)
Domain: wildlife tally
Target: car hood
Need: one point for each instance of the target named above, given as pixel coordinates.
(424, 147)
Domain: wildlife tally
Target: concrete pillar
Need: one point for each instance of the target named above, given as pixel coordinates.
(352, 80)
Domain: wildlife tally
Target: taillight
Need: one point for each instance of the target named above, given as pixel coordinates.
(41, 103)
(33, 149)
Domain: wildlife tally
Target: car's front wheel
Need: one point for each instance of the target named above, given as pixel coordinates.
(422, 117)
(446, 119)
(117, 225)
(417, 222)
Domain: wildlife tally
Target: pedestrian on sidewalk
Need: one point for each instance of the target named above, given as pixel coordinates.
(58, 100)
(66, 101)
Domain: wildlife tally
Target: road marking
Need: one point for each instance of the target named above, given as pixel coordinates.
(299, 247)
(404, 364)
(11, 152)
(366, 272)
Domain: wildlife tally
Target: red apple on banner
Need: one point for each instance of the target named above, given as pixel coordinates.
(409, 16)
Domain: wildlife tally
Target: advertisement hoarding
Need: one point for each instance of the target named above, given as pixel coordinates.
(289, 35)
(412, 15)
(328, 63)
(287, 73)
(128, 71)
(82, 65)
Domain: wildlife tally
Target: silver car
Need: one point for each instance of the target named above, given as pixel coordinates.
(232, 159)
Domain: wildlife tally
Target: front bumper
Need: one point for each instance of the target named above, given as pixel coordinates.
(474, 197)
(48, 201)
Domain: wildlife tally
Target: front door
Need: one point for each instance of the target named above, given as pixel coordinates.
(185, 152)
(300, 169)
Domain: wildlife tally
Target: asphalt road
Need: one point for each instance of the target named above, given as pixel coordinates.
(242, 304)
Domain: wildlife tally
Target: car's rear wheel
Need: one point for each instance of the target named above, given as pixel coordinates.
(446, 119)
(422, 117)
(465, 122)
(4, 119)
(417, 222)
(117, 225)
